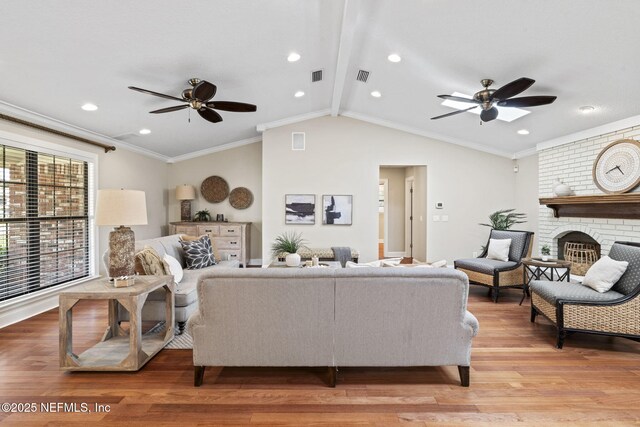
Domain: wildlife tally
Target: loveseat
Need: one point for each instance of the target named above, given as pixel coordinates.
(333, 317)
(186, 299)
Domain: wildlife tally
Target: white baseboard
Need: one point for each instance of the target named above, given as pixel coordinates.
(394, 254)
(14, 311)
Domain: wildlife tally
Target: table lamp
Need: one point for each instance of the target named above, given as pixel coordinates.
(121, 208)
(185, 193)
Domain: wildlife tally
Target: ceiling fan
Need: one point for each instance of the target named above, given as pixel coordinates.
(197, 97)
(487, 99)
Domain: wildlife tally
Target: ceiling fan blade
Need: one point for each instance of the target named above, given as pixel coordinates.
(488, 115)
(453, 113)
(513, 88)
(238, 107)
(170, 109)
(204, 91)
(458, 99)
(527, 101)
(209, 115)
(150, 92)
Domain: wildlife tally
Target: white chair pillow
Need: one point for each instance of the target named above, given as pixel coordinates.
(174, 267)
(499, 249)
(604, 273)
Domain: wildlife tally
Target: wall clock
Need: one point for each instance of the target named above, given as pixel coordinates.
(617, 167)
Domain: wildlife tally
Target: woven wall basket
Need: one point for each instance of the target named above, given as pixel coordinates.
(581, 255)
(214, 189)
(241, 198)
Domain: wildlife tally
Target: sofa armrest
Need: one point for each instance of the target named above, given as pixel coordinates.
(194, 321)
(471, 322)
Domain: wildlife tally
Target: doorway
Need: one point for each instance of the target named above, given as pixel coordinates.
(402, 211)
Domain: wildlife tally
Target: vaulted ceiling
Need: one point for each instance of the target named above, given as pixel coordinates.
(57, 56)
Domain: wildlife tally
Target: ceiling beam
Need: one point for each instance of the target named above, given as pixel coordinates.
(347, 33)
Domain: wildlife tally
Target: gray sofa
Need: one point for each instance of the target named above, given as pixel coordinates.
(186, 296)
(333, 317)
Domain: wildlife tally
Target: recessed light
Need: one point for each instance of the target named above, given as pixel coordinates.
(376, 94)
(293, 57)
(89, 107)
(299, 94)
(586, 109)
(144, 131)
(394, 57)
(523, 132)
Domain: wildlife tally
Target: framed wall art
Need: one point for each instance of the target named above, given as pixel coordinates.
(300, 209)
(337, 209)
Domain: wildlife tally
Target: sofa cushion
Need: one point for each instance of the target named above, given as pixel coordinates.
(198, 253)
(172, 247)
(174, 267)
(519, 242)
(553, 291)
(630, 280)
(483, 265)
(150, 262)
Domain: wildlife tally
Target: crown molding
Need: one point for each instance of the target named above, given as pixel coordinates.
(525, 153)
(40, 119)
(420, 132)
(590, 133)
(293, 119)
(215, 149)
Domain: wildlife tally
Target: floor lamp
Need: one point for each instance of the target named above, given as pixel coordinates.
(121, 208)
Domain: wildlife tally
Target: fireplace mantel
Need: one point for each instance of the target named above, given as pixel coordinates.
(625, 206)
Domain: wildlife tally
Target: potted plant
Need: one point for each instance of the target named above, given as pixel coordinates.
(288, 243)
(202, 215)
(545, 251)
(504, 219)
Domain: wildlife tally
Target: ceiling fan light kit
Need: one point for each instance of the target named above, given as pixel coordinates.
(198, 98)
(488, 99)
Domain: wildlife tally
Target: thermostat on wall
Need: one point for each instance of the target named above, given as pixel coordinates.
(439, 205)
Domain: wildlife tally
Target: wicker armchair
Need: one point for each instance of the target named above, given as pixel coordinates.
(495, 274)
(573, 307)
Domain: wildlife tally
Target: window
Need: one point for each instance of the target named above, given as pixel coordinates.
(44, 227)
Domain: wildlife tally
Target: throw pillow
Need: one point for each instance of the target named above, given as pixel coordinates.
(198, 253)
(174, 267)
(604, 273)
(214, 248)
(149, 262)
(499, 249)
(351, 264)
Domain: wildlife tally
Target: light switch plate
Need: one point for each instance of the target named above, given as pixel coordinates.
(445, 218)
(436, 218)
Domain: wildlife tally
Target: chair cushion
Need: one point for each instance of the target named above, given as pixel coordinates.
(519, 242)
(483, 265)
(630, 280)
(499, 249)
(553, 291)
(602, 275)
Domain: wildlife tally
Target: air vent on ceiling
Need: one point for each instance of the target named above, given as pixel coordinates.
(316, 76)
(363, 76)
(297, 141)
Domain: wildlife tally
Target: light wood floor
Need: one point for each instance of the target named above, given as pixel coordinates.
(517, 377)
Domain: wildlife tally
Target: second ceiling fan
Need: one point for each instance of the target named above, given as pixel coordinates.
(488, 99)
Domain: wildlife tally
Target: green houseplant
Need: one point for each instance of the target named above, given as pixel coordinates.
(202, 215)
(545, 250)
(288, 243)
(504, 219)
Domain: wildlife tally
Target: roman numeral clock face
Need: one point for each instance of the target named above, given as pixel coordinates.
(617, 167)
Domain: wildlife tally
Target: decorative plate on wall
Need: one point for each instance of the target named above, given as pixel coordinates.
(241, 198)
(214, 189)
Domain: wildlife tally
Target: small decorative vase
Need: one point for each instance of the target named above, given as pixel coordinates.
(292, 260)
(545, 258)
(561, 189)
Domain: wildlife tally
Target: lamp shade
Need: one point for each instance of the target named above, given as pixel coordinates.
(185, 192)
(121, 207)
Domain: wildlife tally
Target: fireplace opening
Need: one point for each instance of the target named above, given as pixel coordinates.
(579, 248)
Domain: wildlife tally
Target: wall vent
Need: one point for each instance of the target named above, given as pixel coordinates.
(297, 141)
(363, 76)
(316, 76)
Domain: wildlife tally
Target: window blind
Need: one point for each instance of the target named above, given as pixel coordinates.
(44, 230)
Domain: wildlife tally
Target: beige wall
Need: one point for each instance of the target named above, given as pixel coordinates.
(240, 167)
(343, 156)
(395, 204)
(526, 195)
(117, 169)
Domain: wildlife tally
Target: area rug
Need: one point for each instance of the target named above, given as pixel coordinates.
(179, 342)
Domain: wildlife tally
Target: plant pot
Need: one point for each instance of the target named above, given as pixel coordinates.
(545, 257)
(292, 260)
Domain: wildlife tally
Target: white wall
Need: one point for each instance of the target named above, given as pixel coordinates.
(526, 195)
(240, 167)
(343, 156)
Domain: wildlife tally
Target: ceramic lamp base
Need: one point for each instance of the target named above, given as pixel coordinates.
(122, 252)
(185, 210)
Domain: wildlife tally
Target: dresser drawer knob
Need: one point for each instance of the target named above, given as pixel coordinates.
(233, 243)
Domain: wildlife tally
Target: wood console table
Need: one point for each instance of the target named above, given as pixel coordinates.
(117, 351)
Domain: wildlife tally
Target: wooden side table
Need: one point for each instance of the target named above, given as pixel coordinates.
(536, 269)
(117, 351)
